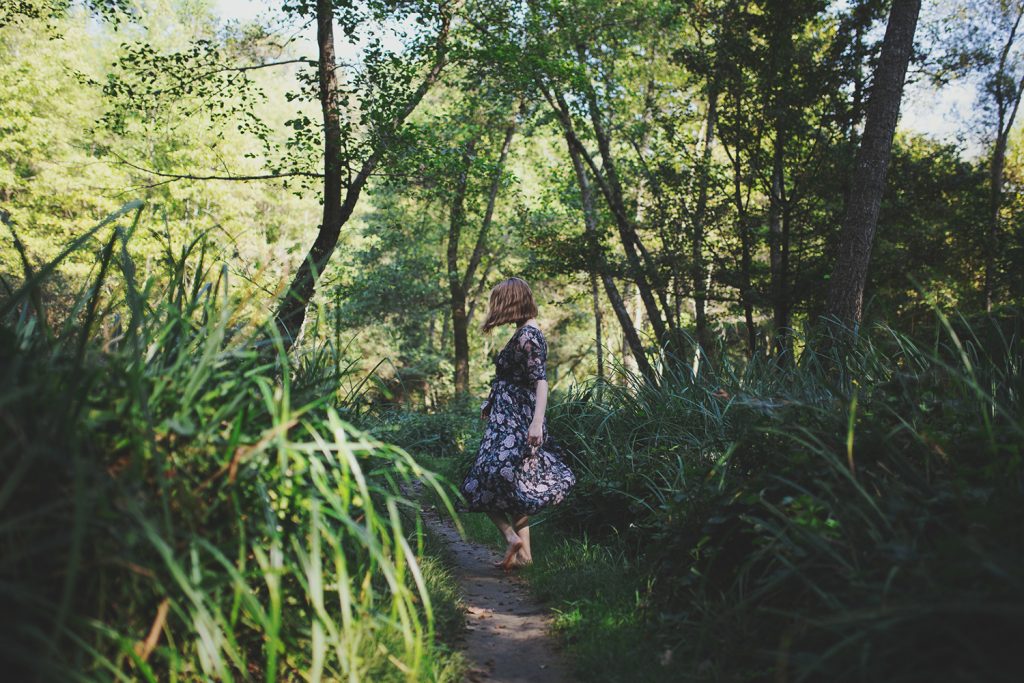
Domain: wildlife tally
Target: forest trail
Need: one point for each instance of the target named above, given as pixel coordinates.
(507, 638)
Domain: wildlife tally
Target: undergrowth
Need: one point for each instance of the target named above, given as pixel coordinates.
(856, 517)
(181, 502)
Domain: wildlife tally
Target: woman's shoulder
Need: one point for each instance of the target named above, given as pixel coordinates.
(532, 332)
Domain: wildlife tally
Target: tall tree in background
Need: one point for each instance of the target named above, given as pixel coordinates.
(1001, 95)
(599, 266)
(460, 281)
(575, 53)
(363, 108)
(782, 120)
(980, 43)
(846, 287)
(706, 59)
(291, 313)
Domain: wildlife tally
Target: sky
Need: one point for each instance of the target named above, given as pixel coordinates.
(940, 114)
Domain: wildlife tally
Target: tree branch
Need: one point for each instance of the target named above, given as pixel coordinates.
(191, 176)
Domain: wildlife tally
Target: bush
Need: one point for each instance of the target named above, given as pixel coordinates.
(854, 518)
(446, 434)
(171, 512)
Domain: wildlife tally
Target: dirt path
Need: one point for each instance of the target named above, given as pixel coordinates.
(506, 639)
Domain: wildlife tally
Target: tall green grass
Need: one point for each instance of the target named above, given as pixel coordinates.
(858, 517)
(180, 502)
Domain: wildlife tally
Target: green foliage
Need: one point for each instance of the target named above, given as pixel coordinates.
(61, 172)
(452, 433)
(165, 478)
(924, 230)
(801, 526)
(601, 606)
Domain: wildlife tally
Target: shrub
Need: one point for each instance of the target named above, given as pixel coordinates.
(172, 512)
(856, 517)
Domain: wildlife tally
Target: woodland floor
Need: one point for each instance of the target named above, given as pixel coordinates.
(508, 632)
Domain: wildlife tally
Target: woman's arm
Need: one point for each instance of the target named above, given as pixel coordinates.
(535, 436)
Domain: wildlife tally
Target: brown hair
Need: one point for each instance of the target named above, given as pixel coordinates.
(511, 301)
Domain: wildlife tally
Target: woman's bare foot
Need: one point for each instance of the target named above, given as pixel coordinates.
(523, 559)
(518, 561)
(515, 544)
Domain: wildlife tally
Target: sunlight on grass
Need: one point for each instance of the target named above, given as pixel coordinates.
(170, 475)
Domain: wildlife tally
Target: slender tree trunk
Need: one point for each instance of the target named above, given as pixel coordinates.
(698, 273)
(846, 287)
(785, 340)
(746, 258)
(746, 264)
(632, 247)
(460, 284)
(457, 293)
(443, 344)
(747, 294)
(996, 172)
(597, 263)
(598, 343)
(481, 282)
(492, 197)
(777, 250)
(650, 265)
(1007, 104)
(638, 309)
(611, 188)
(291, 312)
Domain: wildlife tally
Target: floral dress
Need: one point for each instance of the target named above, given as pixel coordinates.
(507, 476)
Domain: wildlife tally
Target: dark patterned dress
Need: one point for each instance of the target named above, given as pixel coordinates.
(507, 476)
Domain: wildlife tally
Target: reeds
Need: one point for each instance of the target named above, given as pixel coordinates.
(855, 517)
(177, 503)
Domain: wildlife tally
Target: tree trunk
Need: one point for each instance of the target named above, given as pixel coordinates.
(846, 287)
(746, 265)
(1007, 104)
(628, 235)
(777, 249)
(746, 249)
(460, 284)
(596, 299)
(457, 293)
(611, 187)
(636, 347)
(698, 274)
(291, 312)
(492, 197)
(996, 172)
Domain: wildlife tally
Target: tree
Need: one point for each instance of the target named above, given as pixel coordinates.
(362, 117)
(600, 267)
(995, 47)
(460, 282)
(569, 66)
(846, 286)
(980, 45)
(292, 310)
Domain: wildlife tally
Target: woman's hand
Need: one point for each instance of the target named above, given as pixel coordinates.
(535, 436)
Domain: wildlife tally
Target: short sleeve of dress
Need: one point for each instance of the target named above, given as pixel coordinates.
(535, 355)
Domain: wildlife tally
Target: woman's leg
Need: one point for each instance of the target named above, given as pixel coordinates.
(522, 529)
(515, 543)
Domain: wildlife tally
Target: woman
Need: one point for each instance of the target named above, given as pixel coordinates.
(517, 469)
